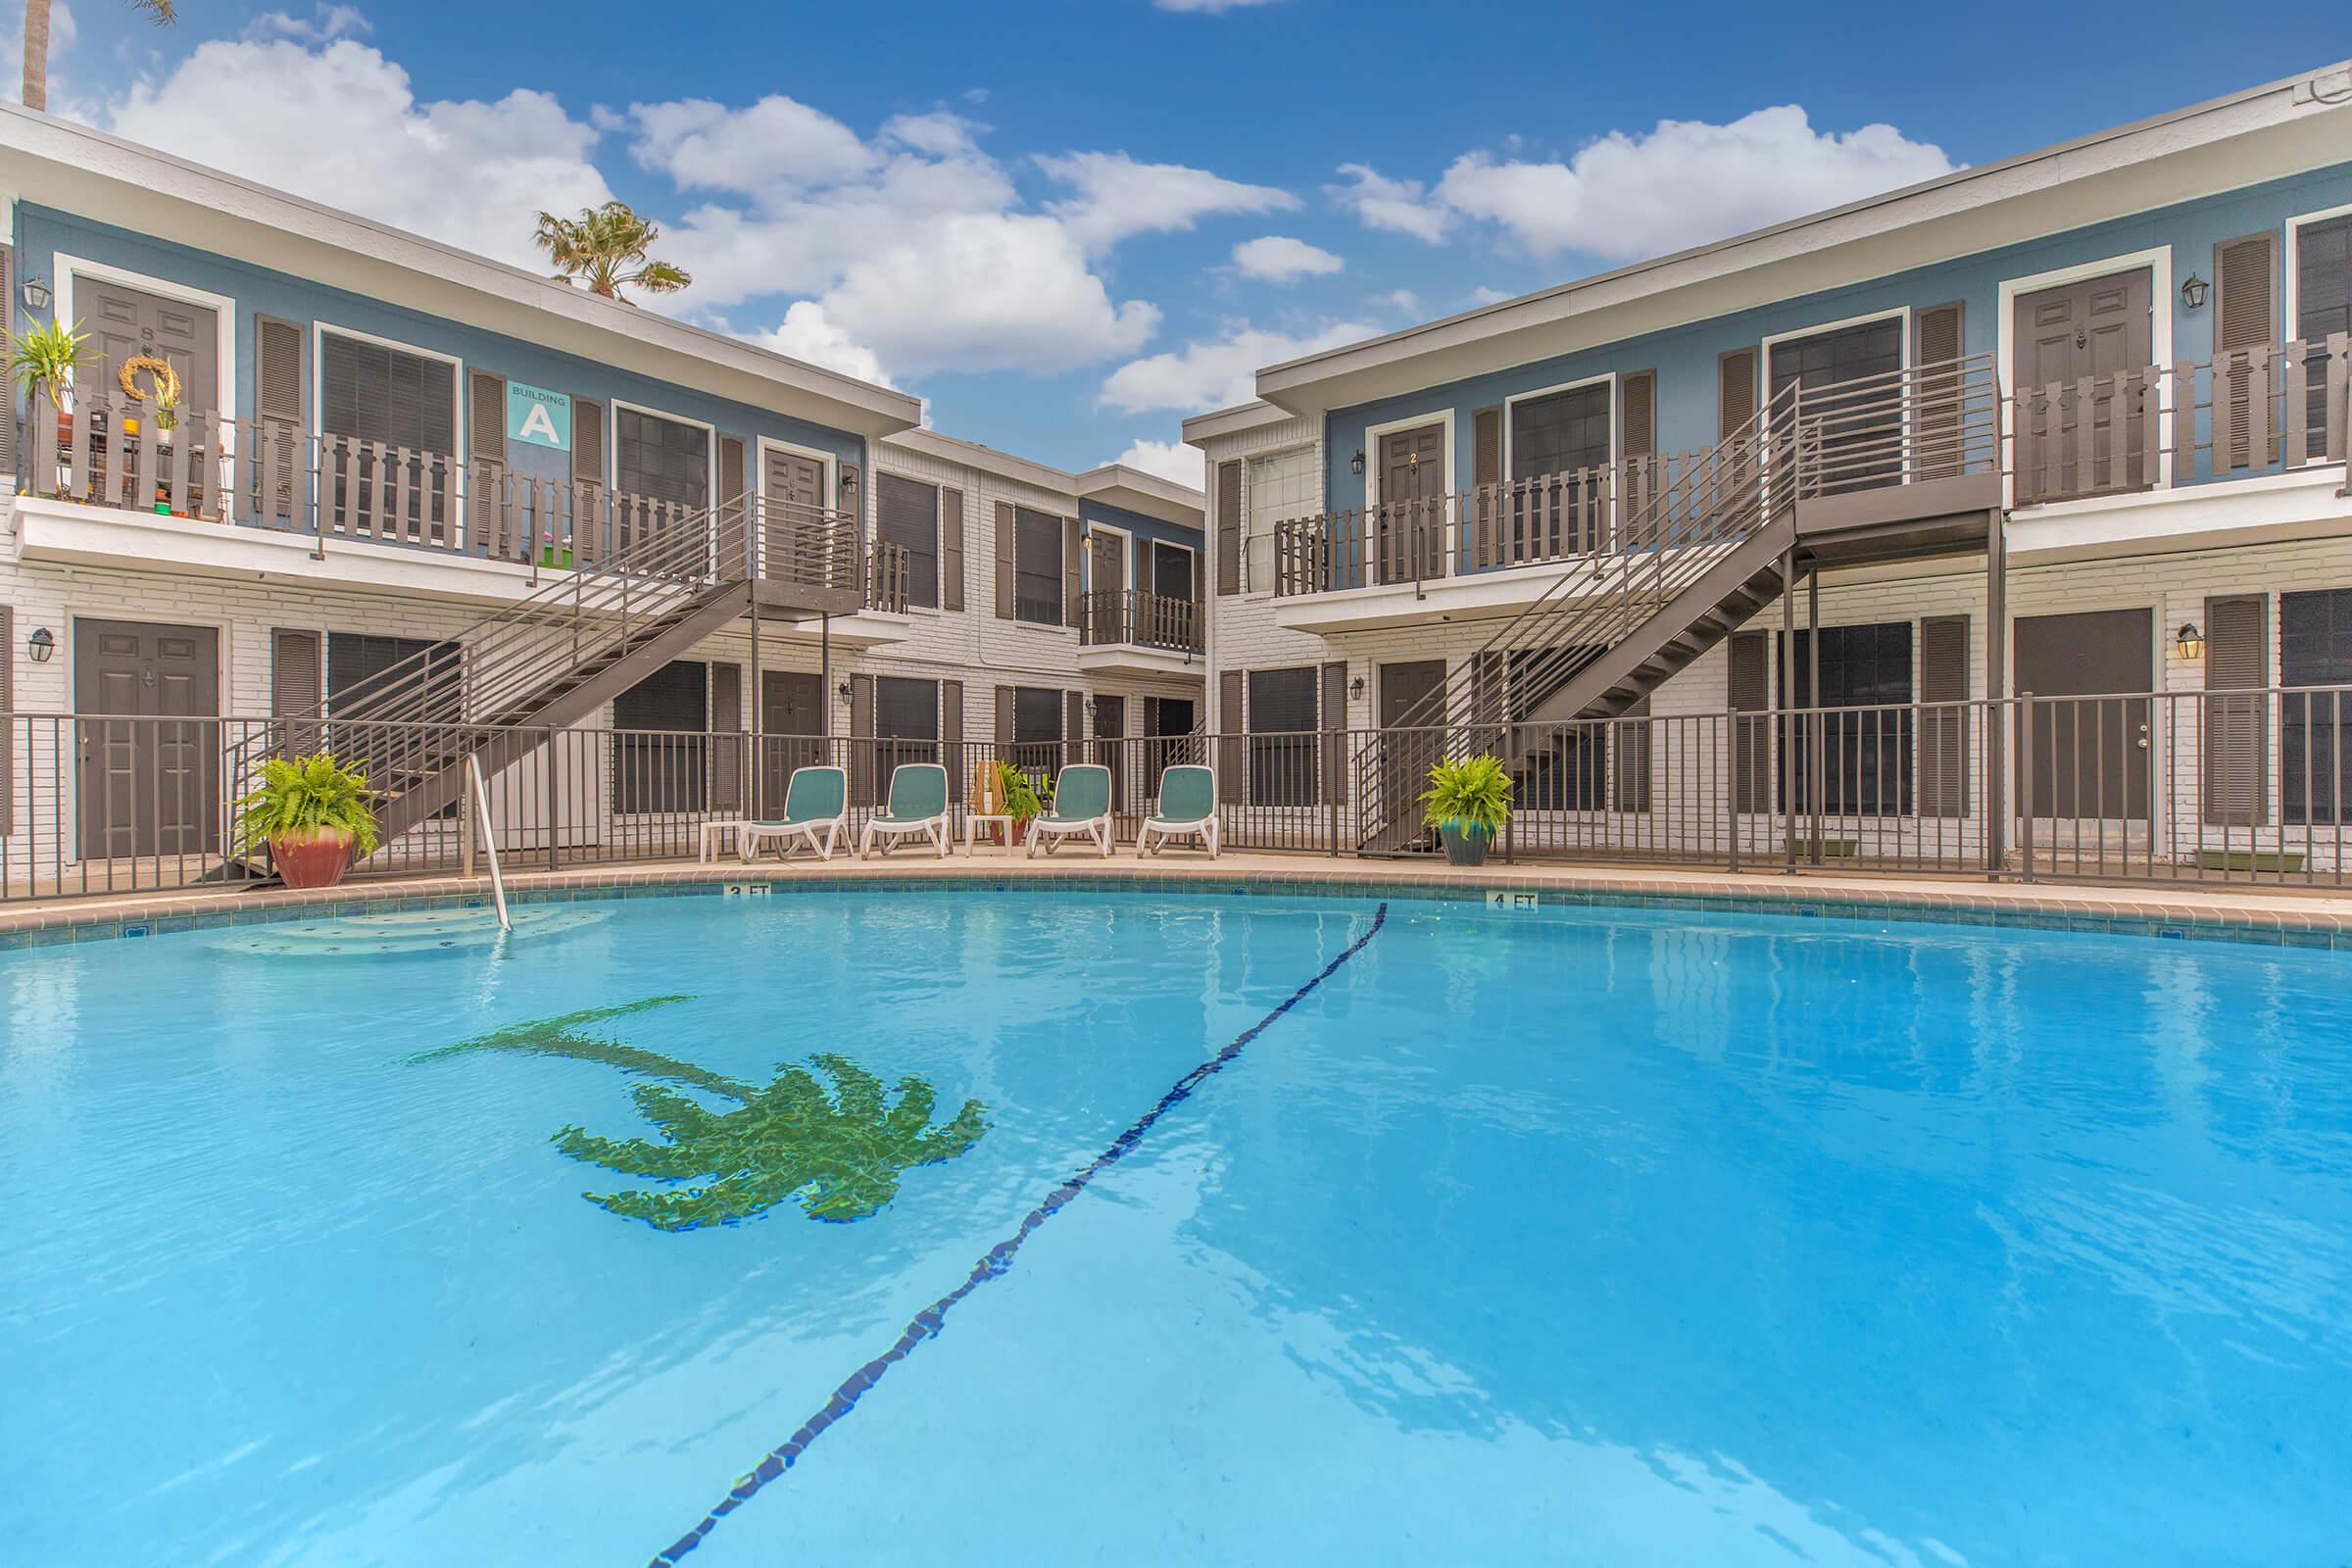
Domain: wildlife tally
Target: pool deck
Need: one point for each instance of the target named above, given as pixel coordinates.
(2247, 913)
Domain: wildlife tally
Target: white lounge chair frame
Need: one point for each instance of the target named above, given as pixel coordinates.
(1166, 829)
(1097, 830)
(824, 835)
(934, 828)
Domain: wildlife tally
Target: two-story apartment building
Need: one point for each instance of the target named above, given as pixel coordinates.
(312, 468)
(2073, 425)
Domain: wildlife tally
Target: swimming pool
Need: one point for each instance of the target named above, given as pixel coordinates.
(1074, 1228)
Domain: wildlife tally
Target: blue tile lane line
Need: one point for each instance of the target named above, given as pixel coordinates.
(996, 1261)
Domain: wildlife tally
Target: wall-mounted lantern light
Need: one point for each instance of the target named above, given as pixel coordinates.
(2193, 641)
(36, 293)
(842, 691)
(2193, 292)
(1355, 464)
(1355, 687)
(42, 646)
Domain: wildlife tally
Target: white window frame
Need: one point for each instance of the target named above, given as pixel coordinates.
(1061, 561)
(1314, 454)
(761, 446)
(2290, 294)
(612, 444)
(457, 383)
(2158, 260)
(1901, 313)
(224, 320)
(1616, 413)
(1091, 529)
(1192, 551)
(1371, 451)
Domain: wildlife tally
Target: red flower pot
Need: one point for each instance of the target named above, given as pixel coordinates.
(314, 859)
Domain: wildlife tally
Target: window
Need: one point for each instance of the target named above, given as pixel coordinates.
(906, 722)
(908, 515)
(2315, 649)
(375, 392)
(1171, 570)
(1037, 728)
(1276, 489)
(1863, 443)
(1560, 432)
(654, 772)
(1866, 755)
(2323, 299)
(1037, 568)
(428, 691)
(660, 459)
(1282, 740)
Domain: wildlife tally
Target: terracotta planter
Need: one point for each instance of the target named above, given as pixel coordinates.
(1020, 832)
(1465, 846)
(315, 860)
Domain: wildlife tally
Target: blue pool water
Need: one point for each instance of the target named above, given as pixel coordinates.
(1597, 1236)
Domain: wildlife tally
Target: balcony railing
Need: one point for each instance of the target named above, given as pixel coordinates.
(2267, 409)
(207, 467)
(1125, 616)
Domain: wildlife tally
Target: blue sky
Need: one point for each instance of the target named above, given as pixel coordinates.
(1068, 224)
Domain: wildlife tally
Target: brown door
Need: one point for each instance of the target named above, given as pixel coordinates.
(2090, 751)
(2072, 343)
(1408, 527)
(1404, 695)
(792, 717)
(1109, 573)
(127, 322)
(794, 546)
(150, 770)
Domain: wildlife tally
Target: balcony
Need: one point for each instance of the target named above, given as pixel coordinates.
(1904, 463)
(209, 494)
(1122, 631)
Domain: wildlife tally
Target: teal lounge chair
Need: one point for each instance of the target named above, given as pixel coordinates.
(1081, 808)
(919, 808)
(1188, 809)
(817, 811)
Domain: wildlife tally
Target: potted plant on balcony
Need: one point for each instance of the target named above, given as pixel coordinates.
(1467, 801)
(314, 814)
(43, 362)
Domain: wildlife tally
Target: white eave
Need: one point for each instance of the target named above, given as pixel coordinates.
(1255, 416)
(1115, 484)
(2286, 127)
(75, 169)
(987, 459)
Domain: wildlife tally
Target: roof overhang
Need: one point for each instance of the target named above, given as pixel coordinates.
(1115, 484)
(1233, 422)
(76, 169)
(987, 459)
(2269, 132)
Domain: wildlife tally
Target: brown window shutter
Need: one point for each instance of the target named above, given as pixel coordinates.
(1734, 392)
(487, 418)
(1489, 695)
(587, 441)
(8, 702)
(296, 686)
(281, 391)
(1486, 447)
(1637, 423)
(951, 550)
(734, 486)
(1936, 347)
(950, 738)
(1229, 746)
(1483, 546)
(1335, 730)
(8, 414)
(1073, 726)
(1629, 757)
(726, 744)
(1750, 691)
(1229, 527)
(1073, 599)
(1005, 567)
(1944, 730)
(864, 786)
(2244, 313)
(2238, 661)
(1003, 736)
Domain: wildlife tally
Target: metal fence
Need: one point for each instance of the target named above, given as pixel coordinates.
(2223, 788)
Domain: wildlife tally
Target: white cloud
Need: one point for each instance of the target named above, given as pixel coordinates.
(1170, 460)
(1217, 372)
(324, 25)
(1483, 295)
(1400, 299)
(1207, 7)
(809, 334)
(1279, 259)
(1118, 197)
(1683, 183)
(1403, 206)
(777, 144)
(341, 125)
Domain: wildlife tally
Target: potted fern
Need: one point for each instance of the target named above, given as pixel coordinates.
(1467, 801)
(42, 360)
(1018, 793)
(314, 814)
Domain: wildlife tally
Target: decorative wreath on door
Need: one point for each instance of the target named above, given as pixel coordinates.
(163, 380)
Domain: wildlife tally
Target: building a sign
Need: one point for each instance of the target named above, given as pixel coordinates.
(538, 416)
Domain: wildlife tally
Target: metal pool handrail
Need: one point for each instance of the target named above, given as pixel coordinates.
(481, 815)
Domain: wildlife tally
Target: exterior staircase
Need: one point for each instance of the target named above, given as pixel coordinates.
(581, 639)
